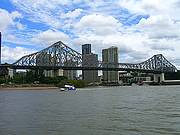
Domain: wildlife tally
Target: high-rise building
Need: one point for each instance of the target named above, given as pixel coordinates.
(110, 55)
(89, 60)
(0, 47)
(86, 49)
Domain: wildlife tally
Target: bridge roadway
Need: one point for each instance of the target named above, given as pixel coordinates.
(84, 68)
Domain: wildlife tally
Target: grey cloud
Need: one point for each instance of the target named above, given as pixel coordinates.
(138, 55)
(134, 57)
(125, 50)
(160, 47)
(175, 62)
(163, 36)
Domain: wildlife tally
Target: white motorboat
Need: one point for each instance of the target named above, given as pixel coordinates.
(67, 87)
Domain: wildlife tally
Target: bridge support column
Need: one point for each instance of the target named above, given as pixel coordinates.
(158, 78)
(53, 73)
(58, 72)
(11, 72)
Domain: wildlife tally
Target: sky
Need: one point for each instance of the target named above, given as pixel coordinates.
(139, 28)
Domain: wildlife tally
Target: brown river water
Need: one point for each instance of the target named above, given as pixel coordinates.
(146, 110)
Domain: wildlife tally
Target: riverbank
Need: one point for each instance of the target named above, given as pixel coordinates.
(53, 87)
(30, 88)
(27, 87)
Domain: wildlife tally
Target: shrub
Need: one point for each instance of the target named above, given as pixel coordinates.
(78, 83)
(2, 80)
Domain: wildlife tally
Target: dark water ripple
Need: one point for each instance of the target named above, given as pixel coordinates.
(95, 111)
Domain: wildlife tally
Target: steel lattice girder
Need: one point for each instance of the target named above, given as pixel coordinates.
(60, 55)
(156, 63)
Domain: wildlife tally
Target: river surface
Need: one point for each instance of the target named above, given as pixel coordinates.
(133, 110)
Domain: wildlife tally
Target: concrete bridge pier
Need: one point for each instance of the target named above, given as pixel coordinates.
(53, 73)
(158, 78)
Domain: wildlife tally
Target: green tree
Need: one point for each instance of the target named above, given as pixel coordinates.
(2, 80)
(19, 78)
(30, 76)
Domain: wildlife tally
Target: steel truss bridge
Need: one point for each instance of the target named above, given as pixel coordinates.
(60, 56)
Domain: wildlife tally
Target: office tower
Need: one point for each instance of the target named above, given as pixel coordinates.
(89, 60)
(86, 49)
(110, 55)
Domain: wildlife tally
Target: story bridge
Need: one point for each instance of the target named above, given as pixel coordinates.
(60, 56)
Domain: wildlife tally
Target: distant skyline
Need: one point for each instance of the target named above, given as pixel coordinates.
(139, 28)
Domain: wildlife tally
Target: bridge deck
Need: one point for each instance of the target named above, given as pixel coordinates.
(81, 68)
(60, 56)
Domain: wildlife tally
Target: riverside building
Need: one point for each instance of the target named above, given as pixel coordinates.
(110, 56)
(89, 60)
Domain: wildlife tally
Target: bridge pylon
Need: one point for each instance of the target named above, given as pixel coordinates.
(159, 78)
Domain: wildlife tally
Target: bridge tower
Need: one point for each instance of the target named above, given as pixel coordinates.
(158, 78)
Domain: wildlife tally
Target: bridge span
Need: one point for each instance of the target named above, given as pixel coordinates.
(60, 56)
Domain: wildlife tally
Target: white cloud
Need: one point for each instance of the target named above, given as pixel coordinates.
(129, 44)
(103, 22)
(49, 37)
(5, 20)
(153, 7)
(161, 29)
(104, 31)
(159, 26)
(147, 6)
(20, 26)
(72, 14)
(16, 14)
(100, 24)
(12, 54)
(44, 11)
(135, 43)
(8, 19)
(143, 6)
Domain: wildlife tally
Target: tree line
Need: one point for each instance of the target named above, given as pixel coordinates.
(37, 77)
